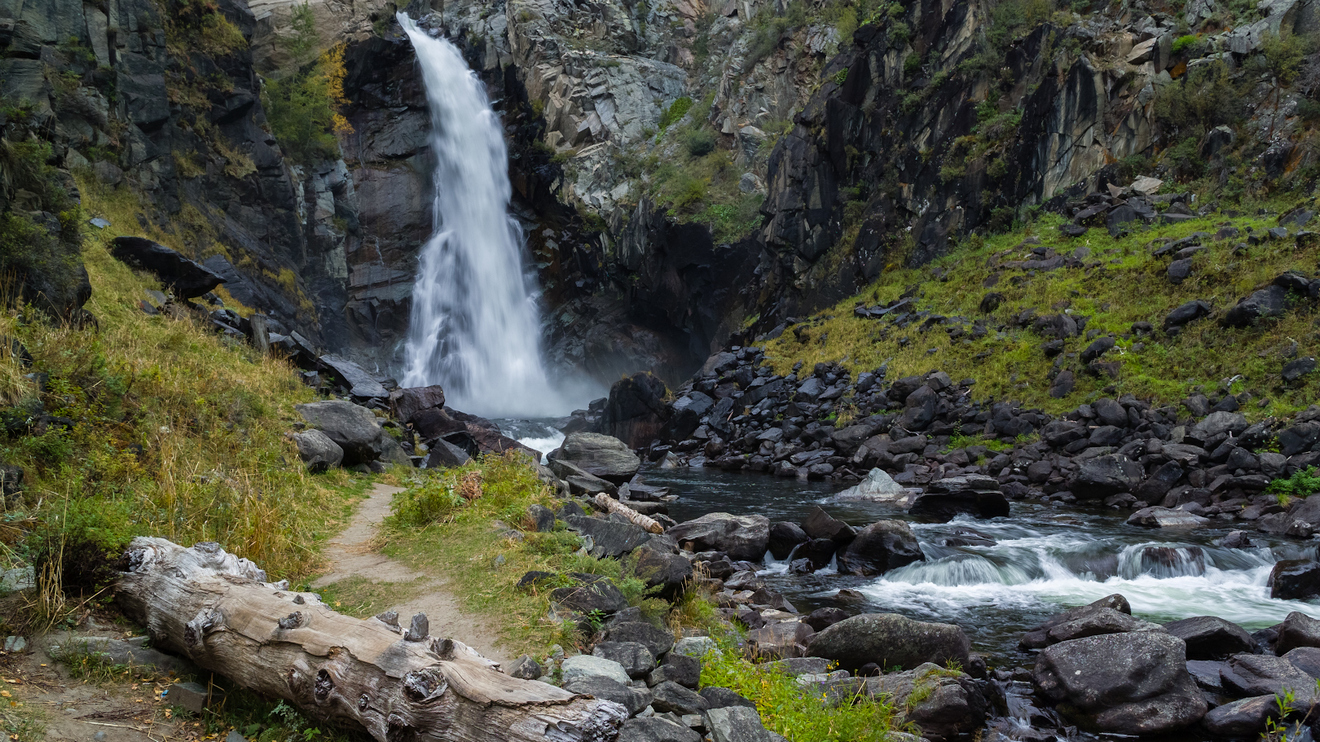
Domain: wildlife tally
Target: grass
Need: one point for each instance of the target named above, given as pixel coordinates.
(159, 427)
(1128, 286)
(361, 598)
(788, 709)
(475, 537)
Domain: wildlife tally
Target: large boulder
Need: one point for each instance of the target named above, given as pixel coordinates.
(1103, 476)
(877, 487)
(880, 547)
(1270, 301)
(636, 410)
(1211, 637)
(974, 495)
(1297, 630)
(317, 450)
(736, 724)
(1295, 579)
(654, 729)
(1261, 674)
(411, 400)
(599, 455)
(352, 427)
(361, 384)
(784, 537)
(1131, 683)
(739, 536)
(1244, 718)
(942, 704)
(177, 273)
(1100, 617)
(888, 640)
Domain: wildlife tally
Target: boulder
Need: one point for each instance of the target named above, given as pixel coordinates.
(888, 640)
(633, 699)
(583, 666)
(880, 547)
(780, 640)
(736, 724)
(353, 428)
(1295, 579)
(1095, 619)
(672, 697)
(634, 657)
(739, 536)
(610, 538)
(1306, 659)
(681, 669)
(656, 640)
(1130, 683)
(655, 730)
(599, 455)
(1261, 674)
(1158, 517)
(1103, 476)
(1189, 312)
(1243, 718)
(444, 454)
(941, 703)
(877, 487)
(821, 525)
(1216, 424)
(180, 275)
(784, 536)
(667, 573)
(317, 450)
(1297, 630)
(1211, 637)
(974, 495)
(592, 595)
(718, 698)
(636, 410)
(405, 403)
(1270, 301)
(360, 384)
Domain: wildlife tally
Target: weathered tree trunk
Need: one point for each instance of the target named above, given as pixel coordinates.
(218, 611)
(612, 505)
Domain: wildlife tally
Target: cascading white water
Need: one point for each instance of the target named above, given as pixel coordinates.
(474, 327)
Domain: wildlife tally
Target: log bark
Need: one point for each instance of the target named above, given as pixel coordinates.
(399, 685)
(612, 505)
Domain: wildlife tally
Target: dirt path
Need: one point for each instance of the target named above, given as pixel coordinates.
(353, 554)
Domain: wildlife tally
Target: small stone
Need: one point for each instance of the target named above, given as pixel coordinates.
(190, 695)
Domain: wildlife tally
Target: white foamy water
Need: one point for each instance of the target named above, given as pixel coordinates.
(474, 327)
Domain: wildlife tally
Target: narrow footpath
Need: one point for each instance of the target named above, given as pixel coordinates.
(356, 553)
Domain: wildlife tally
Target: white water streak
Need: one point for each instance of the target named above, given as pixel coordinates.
(474, 327)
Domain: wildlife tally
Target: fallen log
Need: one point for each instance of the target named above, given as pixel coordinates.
(218, 611)
(612, 505)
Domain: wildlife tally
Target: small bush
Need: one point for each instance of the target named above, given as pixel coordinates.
(911, 65)
(1303, 483)
(1186, 43)
(699, 142)
(675, 112)
(1202, 100)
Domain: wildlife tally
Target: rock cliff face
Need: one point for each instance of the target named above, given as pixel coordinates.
(684, 172)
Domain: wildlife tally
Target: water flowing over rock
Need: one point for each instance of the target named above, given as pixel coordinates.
(474, 327)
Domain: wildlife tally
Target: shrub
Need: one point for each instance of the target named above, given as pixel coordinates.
(699, 142)
(496, 486)
(201, 25)
(1203, 99)
(304, 108)
(1303, 483)
(1186, 43)
(911, 65)
(675, 112)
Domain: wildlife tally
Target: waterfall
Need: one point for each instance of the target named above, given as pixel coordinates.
(474, 327)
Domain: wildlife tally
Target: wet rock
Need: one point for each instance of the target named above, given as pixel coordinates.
(890, 640)
(1306, 659)
(1297, 630)
(945, 499)
(1295, 579)
(942, 704)
(1211, 637)
(1246, 717)
(1130, 683)
(599, 455)
(739, 536)
(880, 547)
(317, 451)
(1260, 674)
(1159, 517)
(878, 486)
(821, 525)
(783, 537)
(1100, 617)
(180, 275)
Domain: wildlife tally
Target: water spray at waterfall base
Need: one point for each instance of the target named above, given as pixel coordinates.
(474, 327)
